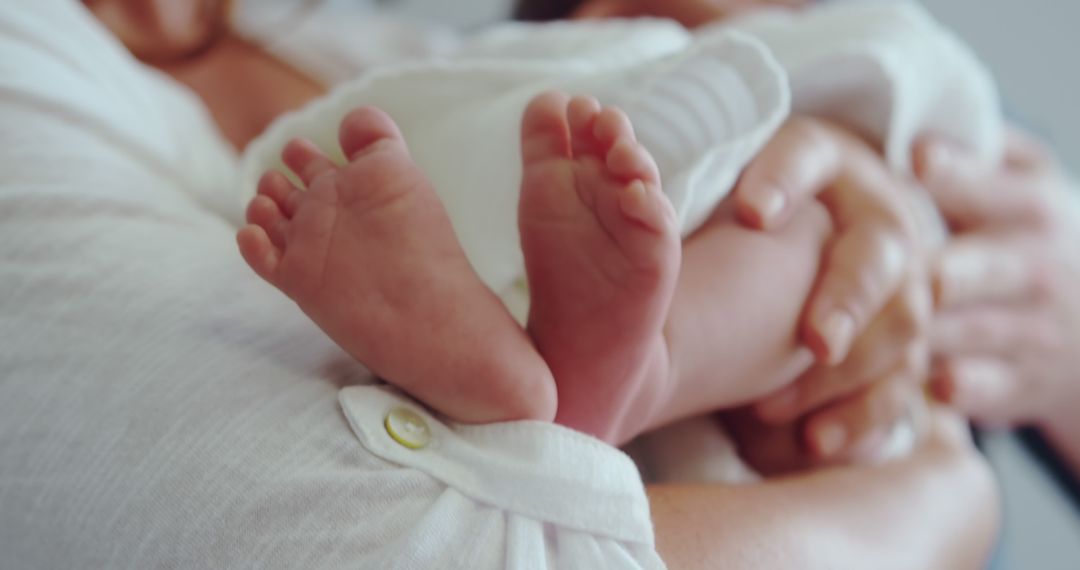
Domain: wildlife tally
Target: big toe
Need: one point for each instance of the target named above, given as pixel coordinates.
(364, 127)
(545, 132)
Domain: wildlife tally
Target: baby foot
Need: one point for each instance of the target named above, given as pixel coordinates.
(369, 254)
(602, 252)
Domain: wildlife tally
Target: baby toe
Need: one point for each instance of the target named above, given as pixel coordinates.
(306, 160)
(265, 213)
(628, 159)
(612, 126)
(581, 114)
(365, 126)
(544, 130)
(258, 251)
(277, 187)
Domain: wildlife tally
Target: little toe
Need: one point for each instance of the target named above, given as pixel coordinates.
(628, 159)
(306, 160)
(258, 251)
(544, 130)
(648, 207)
(265, 213)
(581, 113)
(612, 125)
(364, 127)
(277, 187)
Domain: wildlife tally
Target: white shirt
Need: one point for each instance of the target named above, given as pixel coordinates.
(160, 407)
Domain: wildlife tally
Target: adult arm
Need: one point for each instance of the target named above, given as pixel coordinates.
(935, 509)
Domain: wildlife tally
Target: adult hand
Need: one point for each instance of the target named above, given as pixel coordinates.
(1008, 284)
(877, 422)
(938, 507)
(874, 276)
(875, 251)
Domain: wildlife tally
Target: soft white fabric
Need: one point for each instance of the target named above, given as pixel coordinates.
(162, 408)
(704, 107)
(336, 40)
(887, 70)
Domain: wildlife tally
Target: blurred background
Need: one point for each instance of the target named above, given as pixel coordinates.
(1033, 48)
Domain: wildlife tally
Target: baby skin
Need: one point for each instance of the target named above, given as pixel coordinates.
(368, 253)
(602, 253)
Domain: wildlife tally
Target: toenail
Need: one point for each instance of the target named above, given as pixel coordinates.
(636, 189)
(767, 202)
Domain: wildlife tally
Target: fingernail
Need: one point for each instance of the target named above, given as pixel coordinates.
(829, 439)
(780, 406)
(767, 201)
(838, 331)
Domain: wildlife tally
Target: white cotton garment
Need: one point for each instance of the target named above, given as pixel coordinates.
(703, 103)
(161, 407)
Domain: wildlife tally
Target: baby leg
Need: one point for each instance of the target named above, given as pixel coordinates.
(602, 250)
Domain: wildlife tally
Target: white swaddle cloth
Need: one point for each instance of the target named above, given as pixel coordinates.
(704, 104)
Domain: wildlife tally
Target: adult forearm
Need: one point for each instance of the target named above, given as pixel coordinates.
(899, 516)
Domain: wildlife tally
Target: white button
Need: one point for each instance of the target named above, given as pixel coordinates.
(408, 428)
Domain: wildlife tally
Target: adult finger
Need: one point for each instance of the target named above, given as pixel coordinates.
(800, 161)
(822, 385)
(971, 193)
(894, 345)
(862, 424)
(985, 388)
(1001, 331)
(872, 254)
(862, 271)
(977, 271)
(948, 429)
